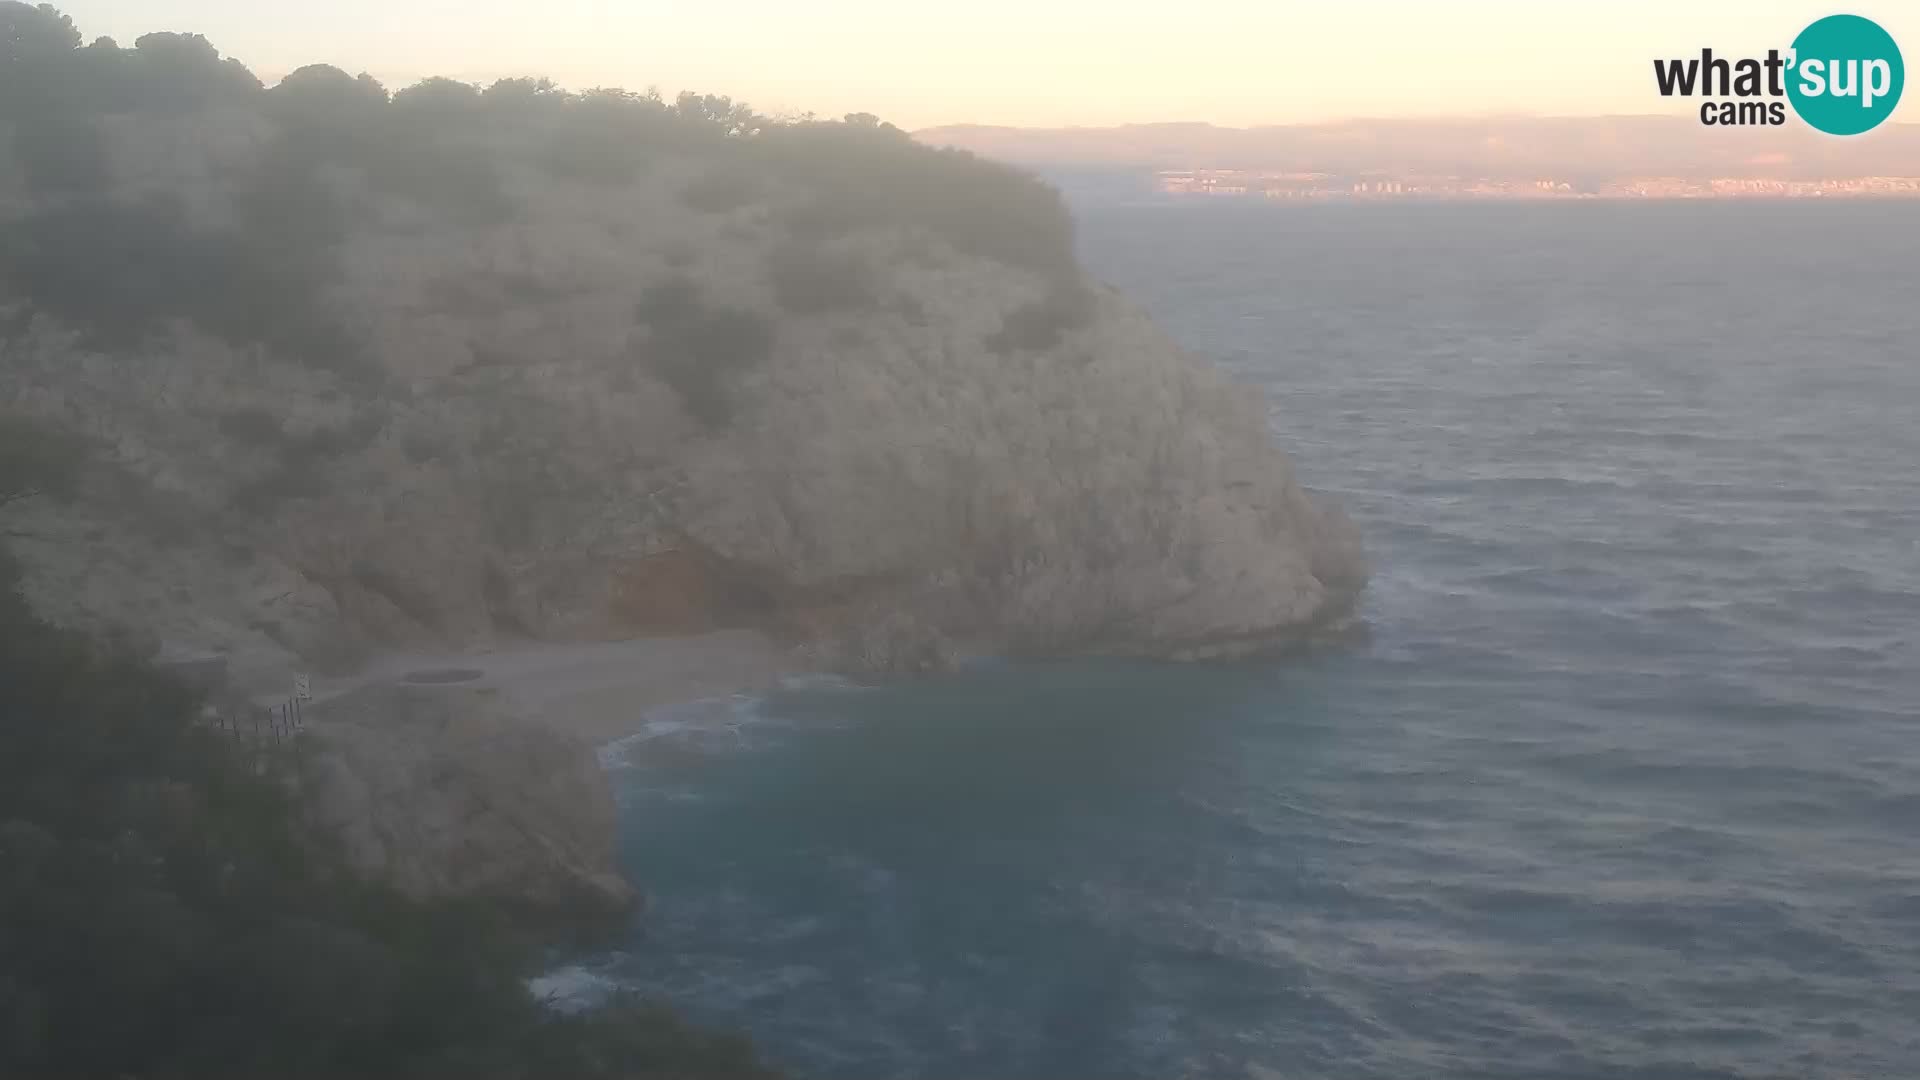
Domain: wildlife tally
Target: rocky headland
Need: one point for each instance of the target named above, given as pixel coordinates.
(347, 375)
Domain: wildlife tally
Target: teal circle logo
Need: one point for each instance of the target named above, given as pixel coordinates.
(1846, 75)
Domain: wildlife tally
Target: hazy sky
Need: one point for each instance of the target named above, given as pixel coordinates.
(1029, 62)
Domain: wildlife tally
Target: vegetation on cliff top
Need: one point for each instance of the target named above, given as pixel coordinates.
(120, 258)
(165, 915)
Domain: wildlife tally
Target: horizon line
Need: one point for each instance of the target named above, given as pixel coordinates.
(1458, 118)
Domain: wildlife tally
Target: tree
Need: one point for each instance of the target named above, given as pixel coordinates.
(730, 116)
(35, 42)
(522, 93)
(437, 97)
(320, 95)
(28, 33)
(325, 82)
(166, 914)
(185, 71)
(614, 97)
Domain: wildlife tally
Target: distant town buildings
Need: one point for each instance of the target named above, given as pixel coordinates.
(1232, 183)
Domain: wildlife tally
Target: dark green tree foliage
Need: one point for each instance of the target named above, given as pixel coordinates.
(1040, 324)
(320, 100)
(45, 75)
(184, 72)
(812, 279)
(38, 460)
(37, 83)
(607, 136)
(28, 31)
(60, 156)
(34, 45)
(864, 174)
(523, 95)
(438, 99)
(701, 350)
(719, 112)
(124, 271)
(724, 190)
(162, 915)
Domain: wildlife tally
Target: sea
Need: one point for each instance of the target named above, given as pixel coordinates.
(1625, 781)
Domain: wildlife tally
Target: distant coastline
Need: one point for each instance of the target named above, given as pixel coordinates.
(1511, 157)
(1293, 187)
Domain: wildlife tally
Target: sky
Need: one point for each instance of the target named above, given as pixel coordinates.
(920, 63)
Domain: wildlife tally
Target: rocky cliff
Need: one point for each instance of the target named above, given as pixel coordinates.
(348, 399)
(444, 791)
(338, 373)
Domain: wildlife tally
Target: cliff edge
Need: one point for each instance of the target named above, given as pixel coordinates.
(446, 791)
(319, 374)
(361, 373)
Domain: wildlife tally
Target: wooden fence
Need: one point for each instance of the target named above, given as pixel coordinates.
(261, 724)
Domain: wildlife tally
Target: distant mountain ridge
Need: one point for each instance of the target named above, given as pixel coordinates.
(1496, 147)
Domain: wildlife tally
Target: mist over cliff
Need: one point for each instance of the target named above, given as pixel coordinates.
(340, 371)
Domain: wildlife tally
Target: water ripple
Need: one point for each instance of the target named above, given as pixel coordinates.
(1626, 784)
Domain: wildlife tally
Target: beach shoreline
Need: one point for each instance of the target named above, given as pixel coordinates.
(592, 692)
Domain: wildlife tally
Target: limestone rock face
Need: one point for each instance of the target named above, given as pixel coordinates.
(608, 406)
(1112, 494)
(442, 791)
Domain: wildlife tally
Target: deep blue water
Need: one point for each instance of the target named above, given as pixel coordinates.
(1626, 783)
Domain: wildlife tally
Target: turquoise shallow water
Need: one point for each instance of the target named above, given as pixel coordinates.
(1626, 783)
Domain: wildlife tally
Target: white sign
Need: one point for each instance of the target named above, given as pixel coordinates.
(301, 691)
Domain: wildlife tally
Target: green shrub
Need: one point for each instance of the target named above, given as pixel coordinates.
(1041, 324)
(812, 278)
(37, 458)
(862, 176)
(699, 350)
(721, 191)
(437, 100)
(718, 113)
(434, 144)
(121, 272)
(581, 148)
(166, 914)
(449, 176)
(298, 460)
(60, 153)
(410, 600)
(185, 73)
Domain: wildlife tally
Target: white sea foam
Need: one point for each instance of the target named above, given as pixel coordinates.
(571, 988)
(821, 681)
(704, 725)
